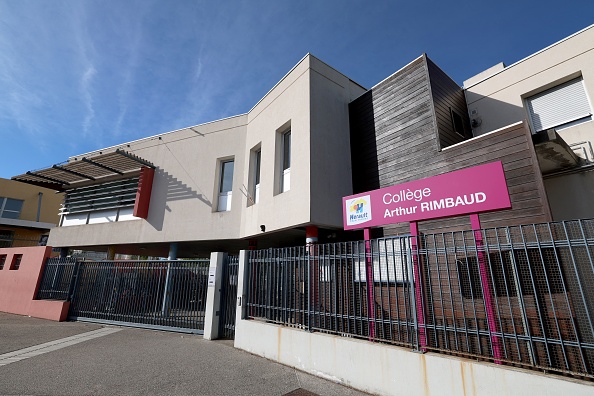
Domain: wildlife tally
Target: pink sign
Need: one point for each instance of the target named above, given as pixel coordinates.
(472, 190)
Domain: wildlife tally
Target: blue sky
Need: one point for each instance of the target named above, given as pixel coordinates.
(79, 75)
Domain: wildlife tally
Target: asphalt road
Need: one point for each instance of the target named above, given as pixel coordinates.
(127, 361)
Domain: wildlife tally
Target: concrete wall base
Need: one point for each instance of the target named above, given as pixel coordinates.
(389, 370)
(52, 310)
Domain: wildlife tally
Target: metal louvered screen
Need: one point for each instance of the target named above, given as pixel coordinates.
(559, 105)
(118, 194)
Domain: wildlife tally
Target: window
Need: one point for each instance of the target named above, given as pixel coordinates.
(257, 162)
(469, 277)
(10, 208)
(286, 162)
(538, 271)
(2, 261)
(43, 240)
(558, 106)
(6, 238)
(389, 260)
(225, 186)
(16, 262)
(458, 123)
(100, 203)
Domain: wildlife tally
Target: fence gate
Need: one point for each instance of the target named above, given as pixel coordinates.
(229, 297)
(169, 295)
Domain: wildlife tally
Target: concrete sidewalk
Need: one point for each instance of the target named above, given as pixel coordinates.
(64, 359)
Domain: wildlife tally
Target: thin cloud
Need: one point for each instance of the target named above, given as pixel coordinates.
(86, 82)
(130, 48)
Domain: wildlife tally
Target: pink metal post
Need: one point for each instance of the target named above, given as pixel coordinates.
(370, 284)
(487, 290)
(414, 235)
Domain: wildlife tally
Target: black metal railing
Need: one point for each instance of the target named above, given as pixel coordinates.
(57, 279)
(519, 295)
(325, 288)
(229, 296)
(10, 241)
(149, 293)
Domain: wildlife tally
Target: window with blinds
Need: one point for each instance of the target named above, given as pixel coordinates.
(560, 105)
(101, 203)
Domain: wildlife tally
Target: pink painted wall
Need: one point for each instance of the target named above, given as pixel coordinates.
(18, 287)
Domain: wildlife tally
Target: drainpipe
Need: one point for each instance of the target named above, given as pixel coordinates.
(39, 197)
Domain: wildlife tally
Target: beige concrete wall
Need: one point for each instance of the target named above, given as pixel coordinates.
(388, 370)
(286, 105)
(571, 196)
(498, 100)
(50, 203)
(185, 189)
(312, 100)
(331, 171)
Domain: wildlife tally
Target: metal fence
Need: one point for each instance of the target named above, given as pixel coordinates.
(57, 279)
(520, 295)
(152, 294)
(8, 240)
(229, 296)
(325, 288)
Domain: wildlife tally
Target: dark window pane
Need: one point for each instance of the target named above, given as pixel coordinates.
(10, 215)
(469, 277)
(6, 238)
(287, 150)
(458, 123)
(16, 262)
(226, 176)
(13, 205)
(258, 159)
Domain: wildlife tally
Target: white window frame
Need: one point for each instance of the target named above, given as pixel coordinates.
(572, 93)
(224, 201)
(285, 164)
(257, 174)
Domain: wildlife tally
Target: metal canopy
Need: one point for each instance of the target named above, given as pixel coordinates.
(85, 170)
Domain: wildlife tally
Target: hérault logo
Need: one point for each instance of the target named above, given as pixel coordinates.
(358, 210)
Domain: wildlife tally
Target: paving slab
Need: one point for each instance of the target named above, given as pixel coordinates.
(18, 332)
(146, 362)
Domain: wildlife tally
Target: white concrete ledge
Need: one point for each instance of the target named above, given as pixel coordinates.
(388, 370)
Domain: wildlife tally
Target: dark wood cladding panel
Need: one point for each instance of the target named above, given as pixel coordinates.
(513, 147)
(394, 133)
(447, 96)
(391, 121)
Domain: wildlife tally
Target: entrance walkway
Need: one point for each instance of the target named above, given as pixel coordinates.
(139, 362)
